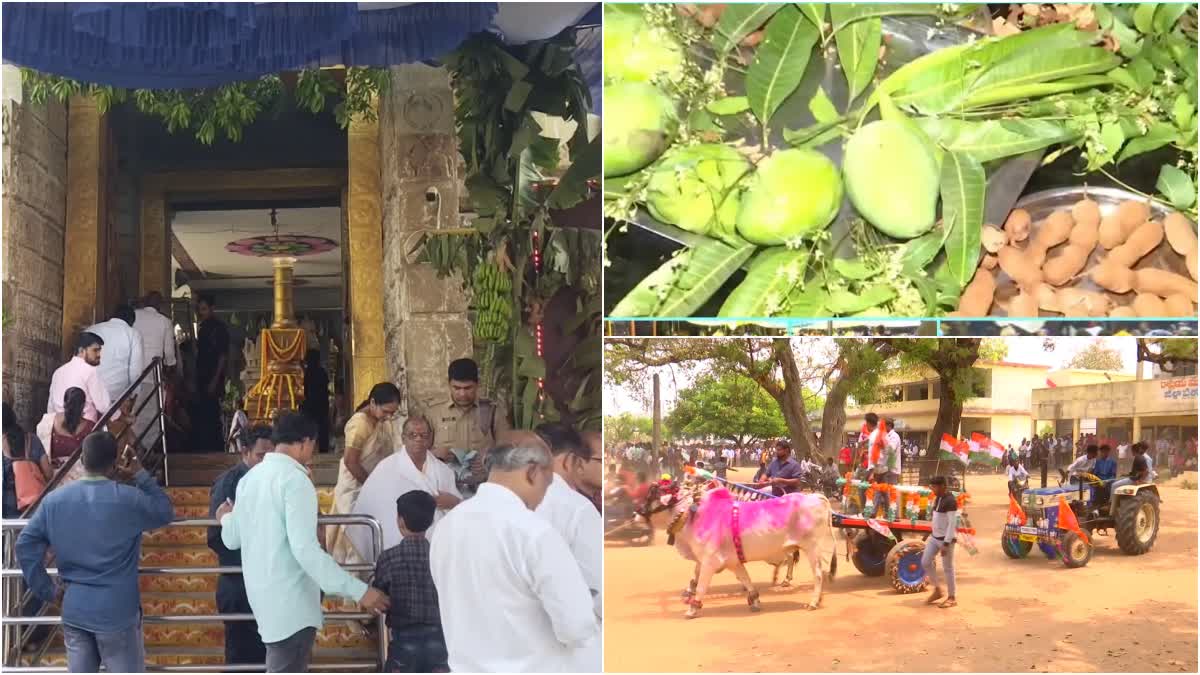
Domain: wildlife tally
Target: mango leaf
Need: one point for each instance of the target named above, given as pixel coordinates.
(772, 276)
(779, 62)
(851, 302)
(1112, 137)
(919, 252)
(738, 21)
(801, 137)
(1156, 137)
(1037, 67)
(1184, 111)
(858, 48)
(517, 95)
(963, 187)
(854, 269)
(808, 302)
(814, 12)
(856, 11)
(996, 95)
(822, 108)
(730, 105)
(684, 283)
(986, 140)
(1166, 16)
(1176, 186)
(1143, 17)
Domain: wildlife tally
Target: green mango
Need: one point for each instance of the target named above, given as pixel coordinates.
(892, 178)
(639, 121)
(792, 194)
(635, 51)
(686, 187)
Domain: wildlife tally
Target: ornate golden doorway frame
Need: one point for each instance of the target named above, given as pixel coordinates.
(362, 248)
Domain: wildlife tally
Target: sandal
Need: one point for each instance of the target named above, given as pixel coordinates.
(948, 603)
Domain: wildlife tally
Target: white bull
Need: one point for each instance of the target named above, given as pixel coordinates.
(773, 530)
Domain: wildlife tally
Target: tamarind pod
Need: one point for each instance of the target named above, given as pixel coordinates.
(1132, 213)
(1141, 241)
(1017, 225)
(1025, 305)
(1163, 283)
(1046, 297)
(1122, 312)
(1180, 305)
(1179, 233)
(989, 261)
(1113, 276)
(1111, 234)
(1148, 305)
(1085, 234)
(1191, 264)
(1055, 229)
(1077, 302)
(1086, 212)
(976, 299)
(1018, 267)
(1062, 267)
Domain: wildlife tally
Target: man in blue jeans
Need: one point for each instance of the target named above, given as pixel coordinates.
(95, 526)
(941, 542)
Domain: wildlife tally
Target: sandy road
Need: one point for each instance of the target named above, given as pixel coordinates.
(1119, 613)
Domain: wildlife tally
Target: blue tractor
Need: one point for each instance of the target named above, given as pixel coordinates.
(1131, 511)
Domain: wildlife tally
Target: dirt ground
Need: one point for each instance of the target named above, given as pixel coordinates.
(1120, 613)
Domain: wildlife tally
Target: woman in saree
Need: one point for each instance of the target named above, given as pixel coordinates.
(368, 440)
(67, 433)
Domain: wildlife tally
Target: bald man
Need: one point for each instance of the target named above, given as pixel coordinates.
(158, 340)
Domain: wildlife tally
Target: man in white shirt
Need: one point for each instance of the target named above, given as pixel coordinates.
(158, 341)
(414, 467)
(122, 361)
(576, 518)
(510, 594)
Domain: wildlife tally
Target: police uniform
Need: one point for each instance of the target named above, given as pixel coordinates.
(472, 428)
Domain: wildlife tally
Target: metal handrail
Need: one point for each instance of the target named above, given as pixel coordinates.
(335, 519)
(155, 367)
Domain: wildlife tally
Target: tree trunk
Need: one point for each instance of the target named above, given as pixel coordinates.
(949, 416)
(833, 418)
(792, 405)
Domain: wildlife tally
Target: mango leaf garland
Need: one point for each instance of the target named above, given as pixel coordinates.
(963, 188)
(779, 62)
(858, 48)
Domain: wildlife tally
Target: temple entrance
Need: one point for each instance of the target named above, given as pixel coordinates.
(227, 255)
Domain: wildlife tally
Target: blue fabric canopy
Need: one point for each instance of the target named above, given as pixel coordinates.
(184, 45)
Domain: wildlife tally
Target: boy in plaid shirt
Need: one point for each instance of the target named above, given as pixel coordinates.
(417, 644)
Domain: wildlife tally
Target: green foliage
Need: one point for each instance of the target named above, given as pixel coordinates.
(627, 427)
(729, 406)
(993, 349)
(1096, 356)
(226, 110)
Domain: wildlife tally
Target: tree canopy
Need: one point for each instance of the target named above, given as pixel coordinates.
(730, 406)
(1096, 356)
(626, 427)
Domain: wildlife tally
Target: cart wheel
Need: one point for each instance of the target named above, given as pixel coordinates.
(904, 567)
(1014, 547)
(870, 553)
(1075, 551)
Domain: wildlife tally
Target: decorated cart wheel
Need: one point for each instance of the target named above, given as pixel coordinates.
(1075, 551)
(1048, 550)
(1014, 547)
(904, 567)
(870, 553)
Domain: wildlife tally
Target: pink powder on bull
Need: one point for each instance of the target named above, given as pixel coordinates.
(713, 523)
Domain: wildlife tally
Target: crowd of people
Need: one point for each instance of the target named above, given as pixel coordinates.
(487, 531)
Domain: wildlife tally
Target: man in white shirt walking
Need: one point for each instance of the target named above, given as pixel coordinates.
(158, 341)
(576, 518)
(122, 361)
(510, 594)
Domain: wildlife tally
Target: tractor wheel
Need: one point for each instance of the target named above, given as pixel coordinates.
(1014, 547)
(1137, 523)
(870, 554)
(904, 567)
(1075, 551)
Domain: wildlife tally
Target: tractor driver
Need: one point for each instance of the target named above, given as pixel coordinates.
(1140, 472)
(1106, 466)
(1084, 463)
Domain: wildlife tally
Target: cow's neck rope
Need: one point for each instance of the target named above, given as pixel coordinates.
(737, 534)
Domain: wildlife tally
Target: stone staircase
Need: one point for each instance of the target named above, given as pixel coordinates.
(202, 643)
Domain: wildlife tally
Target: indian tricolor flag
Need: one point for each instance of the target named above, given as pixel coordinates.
(986, 449)
(953, 449)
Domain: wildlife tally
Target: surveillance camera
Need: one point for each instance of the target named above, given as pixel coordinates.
(431, 195)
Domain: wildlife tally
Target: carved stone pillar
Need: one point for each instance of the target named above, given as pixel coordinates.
(364, 244)
(425, 317)
(153, 234)
(84, 301)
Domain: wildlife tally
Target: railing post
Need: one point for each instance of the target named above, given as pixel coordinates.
(162, 420)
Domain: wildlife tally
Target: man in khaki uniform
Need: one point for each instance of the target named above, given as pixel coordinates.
(465, 424)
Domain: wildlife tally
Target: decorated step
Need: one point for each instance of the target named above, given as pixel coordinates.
(58, 659)
(154, 604)
(333, 635)
(192, 502)
(176, 536)
(178, 556)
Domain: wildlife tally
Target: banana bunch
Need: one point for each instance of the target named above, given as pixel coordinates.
(493, 307)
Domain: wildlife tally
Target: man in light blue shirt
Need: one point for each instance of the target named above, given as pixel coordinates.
(275, 526)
